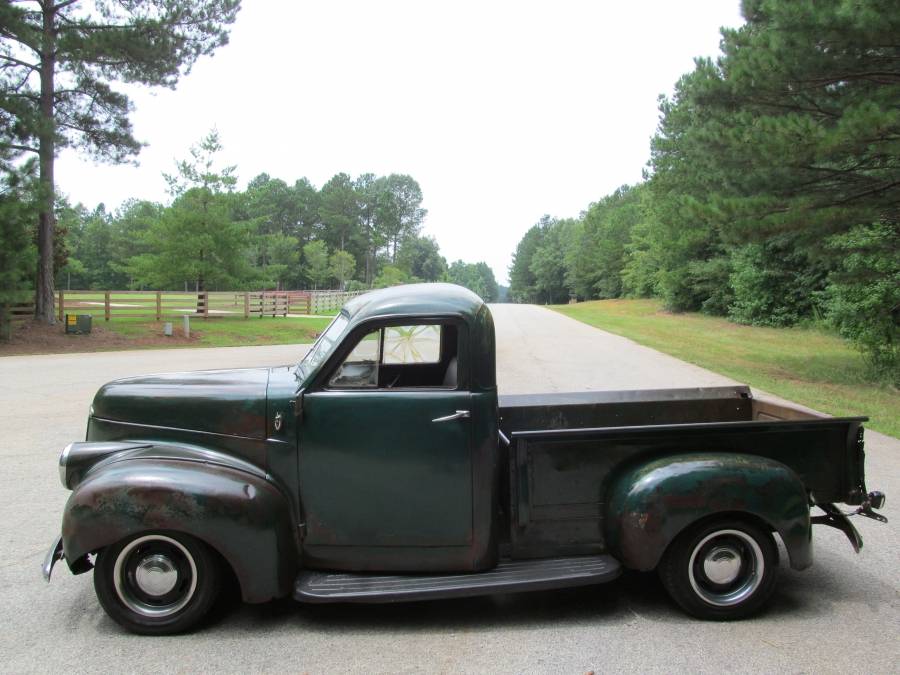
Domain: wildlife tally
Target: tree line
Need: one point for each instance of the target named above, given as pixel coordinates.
(772, 194)
(351, 234)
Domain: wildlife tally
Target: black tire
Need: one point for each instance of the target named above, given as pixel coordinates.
(157, 583)
(722, 570)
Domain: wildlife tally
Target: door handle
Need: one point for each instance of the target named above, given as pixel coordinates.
(458, 415)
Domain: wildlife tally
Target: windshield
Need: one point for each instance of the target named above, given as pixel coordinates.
(323, 347)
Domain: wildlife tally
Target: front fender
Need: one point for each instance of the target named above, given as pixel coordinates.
(243, 516)
(650, 504)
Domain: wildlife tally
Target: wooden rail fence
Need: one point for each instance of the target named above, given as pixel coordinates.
(161, 305)
(322, 302)
(18, 311)
(12, 313)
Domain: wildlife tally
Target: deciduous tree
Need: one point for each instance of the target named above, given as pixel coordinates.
(342, 265)
(317, 268)
(477, 277)
(421, 258)
(197, 239)
(400, 210)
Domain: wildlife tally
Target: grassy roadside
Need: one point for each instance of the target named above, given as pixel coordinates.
(137, 333)
(808, 366)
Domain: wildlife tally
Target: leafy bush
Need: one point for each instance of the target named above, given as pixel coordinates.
(641, 270)
(697, 285)
(391, 276)
(355, 285)
(774, 283)
(864, 294)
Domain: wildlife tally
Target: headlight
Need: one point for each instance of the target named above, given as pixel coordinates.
(63, 471)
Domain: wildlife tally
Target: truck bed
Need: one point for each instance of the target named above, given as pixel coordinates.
(563, 446)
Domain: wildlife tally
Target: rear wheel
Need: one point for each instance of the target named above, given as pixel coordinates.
(157, 584)
(723, 569)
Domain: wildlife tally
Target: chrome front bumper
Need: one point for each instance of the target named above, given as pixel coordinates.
(55, 553)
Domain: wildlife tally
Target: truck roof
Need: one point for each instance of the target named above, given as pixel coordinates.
(416, 299)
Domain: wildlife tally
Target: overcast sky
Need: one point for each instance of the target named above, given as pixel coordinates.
(502, 111)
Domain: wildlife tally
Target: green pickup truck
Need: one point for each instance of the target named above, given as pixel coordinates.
(384, 467)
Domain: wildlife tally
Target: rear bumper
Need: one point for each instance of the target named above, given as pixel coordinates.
(836, 518)
(53, 554)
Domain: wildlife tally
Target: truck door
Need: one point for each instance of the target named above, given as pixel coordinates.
(386, 449)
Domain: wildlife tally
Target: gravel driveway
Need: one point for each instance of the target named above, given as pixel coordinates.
(842, 615)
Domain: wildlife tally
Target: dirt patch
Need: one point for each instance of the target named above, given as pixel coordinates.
(38, 338)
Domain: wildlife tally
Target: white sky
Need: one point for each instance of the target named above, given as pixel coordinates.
(503, 111)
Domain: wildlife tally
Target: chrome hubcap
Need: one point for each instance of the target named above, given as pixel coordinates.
(722, 565)
(726, 567)
(156, 575)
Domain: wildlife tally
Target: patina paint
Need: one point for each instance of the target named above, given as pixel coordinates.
(281, 444)
(391, 477)
(651, 503)
(416, 299)
(240, 514)
(251, 449)
(227, 402)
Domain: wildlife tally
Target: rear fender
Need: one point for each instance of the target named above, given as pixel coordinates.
(652, 503)
(243, 516)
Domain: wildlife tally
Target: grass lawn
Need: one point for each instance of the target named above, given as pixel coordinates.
(229, 332)
(809, 366)
(140, 333)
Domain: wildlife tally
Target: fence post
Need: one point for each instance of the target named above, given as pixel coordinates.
(246, 304)
(106, 305)
(5, 322)
(158, 305)
(62, 298)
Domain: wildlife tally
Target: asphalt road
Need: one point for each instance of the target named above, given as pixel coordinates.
(842, 615)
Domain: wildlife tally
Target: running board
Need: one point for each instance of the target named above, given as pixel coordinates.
(508, 577)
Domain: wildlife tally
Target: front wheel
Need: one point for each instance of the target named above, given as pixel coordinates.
(722, 570)
(157, 584)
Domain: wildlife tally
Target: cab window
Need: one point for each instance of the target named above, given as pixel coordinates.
(360, 368)
(401, 357)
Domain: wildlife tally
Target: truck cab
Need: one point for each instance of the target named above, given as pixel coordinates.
(397, 435)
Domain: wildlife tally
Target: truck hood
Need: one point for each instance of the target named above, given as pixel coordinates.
(229, 402)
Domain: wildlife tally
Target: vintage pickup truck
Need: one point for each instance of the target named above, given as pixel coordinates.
(383, 467)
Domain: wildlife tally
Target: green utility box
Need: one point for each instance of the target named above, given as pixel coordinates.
(79, 324)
